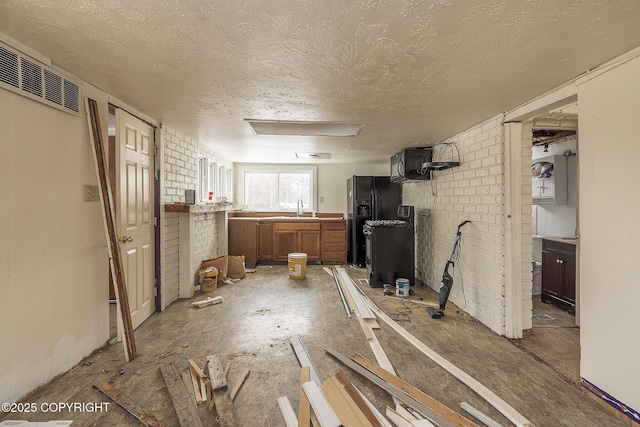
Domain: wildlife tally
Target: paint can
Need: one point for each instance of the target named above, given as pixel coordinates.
(209, 283)
(297, 265)
(402, 287)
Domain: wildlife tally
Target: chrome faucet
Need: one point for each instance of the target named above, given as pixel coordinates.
(300, 206)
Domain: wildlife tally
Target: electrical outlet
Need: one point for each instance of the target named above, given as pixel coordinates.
(91, 193)
(321, 199)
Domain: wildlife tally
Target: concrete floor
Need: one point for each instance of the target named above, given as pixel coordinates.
(252, 329)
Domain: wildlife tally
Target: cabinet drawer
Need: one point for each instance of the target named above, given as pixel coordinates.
(338, 225)
(334, 236)
(297, 226)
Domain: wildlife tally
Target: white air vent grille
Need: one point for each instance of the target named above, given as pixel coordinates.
(28, 77)
(9, 67)
(31, 77)
(53, 83)
(71, 95)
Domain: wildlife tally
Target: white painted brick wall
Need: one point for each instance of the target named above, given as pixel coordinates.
(171, 244)
(181, 155)
(473, 191)
(180, 172)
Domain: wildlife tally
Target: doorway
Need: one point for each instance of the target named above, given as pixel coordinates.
(555, 336)
(131, 175)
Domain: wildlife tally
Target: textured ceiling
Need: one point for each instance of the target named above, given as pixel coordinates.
(414, 72)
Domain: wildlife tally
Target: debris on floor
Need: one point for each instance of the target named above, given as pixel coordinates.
(144, 416)
(207, 302)
(336, 402)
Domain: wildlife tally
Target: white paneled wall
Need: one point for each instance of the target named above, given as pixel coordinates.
(54, 287)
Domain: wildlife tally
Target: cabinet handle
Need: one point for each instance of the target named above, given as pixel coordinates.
(560, 261)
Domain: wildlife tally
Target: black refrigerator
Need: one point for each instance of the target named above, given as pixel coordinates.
(368, 198)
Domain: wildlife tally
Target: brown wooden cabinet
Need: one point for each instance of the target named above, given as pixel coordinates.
(334, 241)
(290, 237)
(273, 239)
(559, 274)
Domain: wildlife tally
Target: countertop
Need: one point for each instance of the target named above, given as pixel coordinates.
(287, 219)
(202, 208)
(568, 240)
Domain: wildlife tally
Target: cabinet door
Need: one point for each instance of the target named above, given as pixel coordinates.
(284, 244)
(569, 278)
(309, 243)
(551, 275)
(243, 239)
(265, 242)
(535, 188)
(547, 187)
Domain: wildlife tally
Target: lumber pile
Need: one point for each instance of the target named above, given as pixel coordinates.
(193, 387)
(336, 402)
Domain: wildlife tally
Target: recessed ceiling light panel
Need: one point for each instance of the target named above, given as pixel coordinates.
(304, 128)
(313, 155)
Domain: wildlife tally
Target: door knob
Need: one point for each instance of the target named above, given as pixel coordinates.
(125, 239)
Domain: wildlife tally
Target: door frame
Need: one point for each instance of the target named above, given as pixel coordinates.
(514, 142)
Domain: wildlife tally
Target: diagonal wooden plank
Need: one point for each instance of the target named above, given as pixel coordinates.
(185, 407)
(109, 216)
(144, 416)
(239, 384)
(414, 392)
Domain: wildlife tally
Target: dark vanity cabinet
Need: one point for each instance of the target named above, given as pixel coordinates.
(559, 274)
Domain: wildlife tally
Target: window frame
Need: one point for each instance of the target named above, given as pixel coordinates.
(242, 170)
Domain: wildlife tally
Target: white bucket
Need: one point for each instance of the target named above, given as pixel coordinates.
(297, 265)
(402, 287)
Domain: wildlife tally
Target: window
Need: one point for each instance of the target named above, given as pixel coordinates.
(211, 175)
(277, 188)
(222, 181)
(203, 189)
(207, 180)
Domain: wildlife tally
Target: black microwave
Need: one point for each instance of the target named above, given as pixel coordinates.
(409, 164)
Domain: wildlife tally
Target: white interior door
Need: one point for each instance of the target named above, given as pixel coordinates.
(134, 183)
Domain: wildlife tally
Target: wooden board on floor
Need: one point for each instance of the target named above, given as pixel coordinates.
(224, 407)
(185, 407)
(144, 416)
(346, 409)
(216, 372)
(304, 408)
(357, 398)
(414, 392)
(393, 390)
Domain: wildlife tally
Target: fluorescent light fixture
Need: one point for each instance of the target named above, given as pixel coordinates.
(304, 128)
(313, 155)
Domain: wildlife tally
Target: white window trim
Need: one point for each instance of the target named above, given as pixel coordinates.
(242, 169)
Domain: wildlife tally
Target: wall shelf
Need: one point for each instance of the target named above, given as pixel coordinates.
(203, 208)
